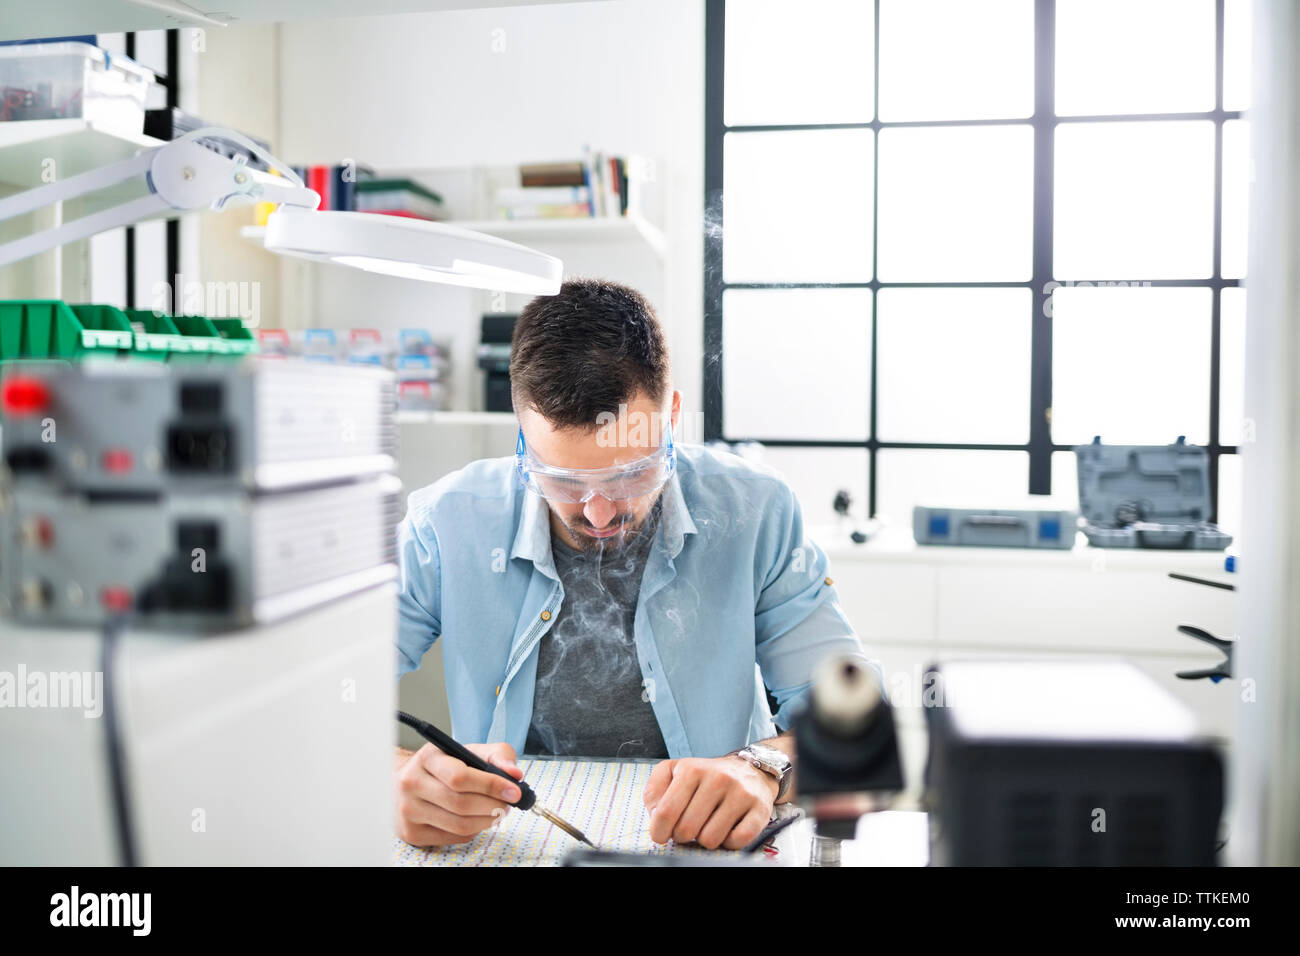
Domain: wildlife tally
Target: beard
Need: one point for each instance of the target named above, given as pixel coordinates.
(630, 528)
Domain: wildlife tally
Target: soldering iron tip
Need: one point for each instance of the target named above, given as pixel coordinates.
(563, 825)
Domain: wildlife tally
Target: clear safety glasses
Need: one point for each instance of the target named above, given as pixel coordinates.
(616, 483)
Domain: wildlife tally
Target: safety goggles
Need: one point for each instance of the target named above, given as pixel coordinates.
(616, 483)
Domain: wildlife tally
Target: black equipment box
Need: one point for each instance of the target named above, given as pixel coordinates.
(1066, 763)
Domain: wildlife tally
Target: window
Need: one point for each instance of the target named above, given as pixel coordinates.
(962, 236)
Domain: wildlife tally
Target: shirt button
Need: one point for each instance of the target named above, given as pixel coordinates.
(546, 615)
(829, 582)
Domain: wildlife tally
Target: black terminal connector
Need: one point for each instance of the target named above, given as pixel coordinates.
(29, 460)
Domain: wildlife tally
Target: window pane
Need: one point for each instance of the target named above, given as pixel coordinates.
(948, 479)
(954, 59)
(816, 474)
(151, 49)
(1134, 200)
(1231, 500)
(797, 206)
(954, 365)
(1134, 56)
(796, 363)
(956, 204)
(809, 62)
(150, 263)
(1236, 198)
(1232, 365)
(1130, 364)
(108, 268)
(1065, 481)
(1236, 54)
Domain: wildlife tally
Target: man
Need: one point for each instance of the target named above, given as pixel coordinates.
(608, 592)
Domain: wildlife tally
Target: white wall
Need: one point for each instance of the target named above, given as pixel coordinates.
(480, 87)
(237, 75)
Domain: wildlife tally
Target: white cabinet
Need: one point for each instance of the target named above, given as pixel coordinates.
(271, 745)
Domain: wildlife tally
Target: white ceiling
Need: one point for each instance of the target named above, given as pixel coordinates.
(27, 19)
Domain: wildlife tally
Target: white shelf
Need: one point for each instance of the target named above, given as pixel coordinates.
(75, 146)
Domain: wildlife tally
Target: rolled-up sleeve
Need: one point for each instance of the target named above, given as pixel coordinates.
(419, 603)
(798, 621)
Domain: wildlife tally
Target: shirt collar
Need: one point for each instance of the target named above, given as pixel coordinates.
(677, 521)
(533, 537)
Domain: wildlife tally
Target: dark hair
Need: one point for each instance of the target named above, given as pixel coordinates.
(586, 350)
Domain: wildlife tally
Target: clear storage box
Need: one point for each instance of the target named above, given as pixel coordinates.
(73, 81)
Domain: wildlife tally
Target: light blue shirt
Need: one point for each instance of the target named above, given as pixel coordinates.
(733, 595)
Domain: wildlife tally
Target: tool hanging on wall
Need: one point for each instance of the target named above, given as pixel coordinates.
(1223, 668)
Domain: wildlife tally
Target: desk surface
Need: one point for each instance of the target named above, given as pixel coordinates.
(602, 798)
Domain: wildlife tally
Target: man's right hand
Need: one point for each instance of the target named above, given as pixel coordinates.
(442, 800)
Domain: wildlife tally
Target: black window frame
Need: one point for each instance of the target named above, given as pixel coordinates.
(1040, 446)
(170, 81)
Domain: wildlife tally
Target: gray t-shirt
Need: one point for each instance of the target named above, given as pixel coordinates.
(589, 700)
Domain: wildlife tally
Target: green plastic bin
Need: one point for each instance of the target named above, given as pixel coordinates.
(156, 336)
(52, 329)
(237, 339)
(200, 335)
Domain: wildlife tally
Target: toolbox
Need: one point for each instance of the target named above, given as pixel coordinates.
(1147, 496)
(985, 528)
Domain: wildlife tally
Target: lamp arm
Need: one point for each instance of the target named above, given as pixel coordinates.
(79, 185)
(123, 214)
(221, 134)
(181, 175)
(190, 176)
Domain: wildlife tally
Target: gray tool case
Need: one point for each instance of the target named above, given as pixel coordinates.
(983, 528)
(1147, 496)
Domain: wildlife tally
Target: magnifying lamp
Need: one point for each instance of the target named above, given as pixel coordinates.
(186, 175)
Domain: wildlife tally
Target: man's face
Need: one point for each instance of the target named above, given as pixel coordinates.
(600, 522)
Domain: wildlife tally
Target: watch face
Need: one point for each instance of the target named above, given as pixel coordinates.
(771, 758)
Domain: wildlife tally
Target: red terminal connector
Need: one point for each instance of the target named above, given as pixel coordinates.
(116, 461)
(22, 395)
(115, 599)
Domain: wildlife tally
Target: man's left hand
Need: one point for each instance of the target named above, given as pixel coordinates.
(719, 801)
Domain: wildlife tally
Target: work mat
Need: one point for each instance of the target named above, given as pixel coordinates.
(600, 798)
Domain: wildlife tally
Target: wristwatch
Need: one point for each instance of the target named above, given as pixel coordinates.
(770, 761)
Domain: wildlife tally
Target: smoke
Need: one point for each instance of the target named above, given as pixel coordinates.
(713, 221)
(591, 656)
(713, 250)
